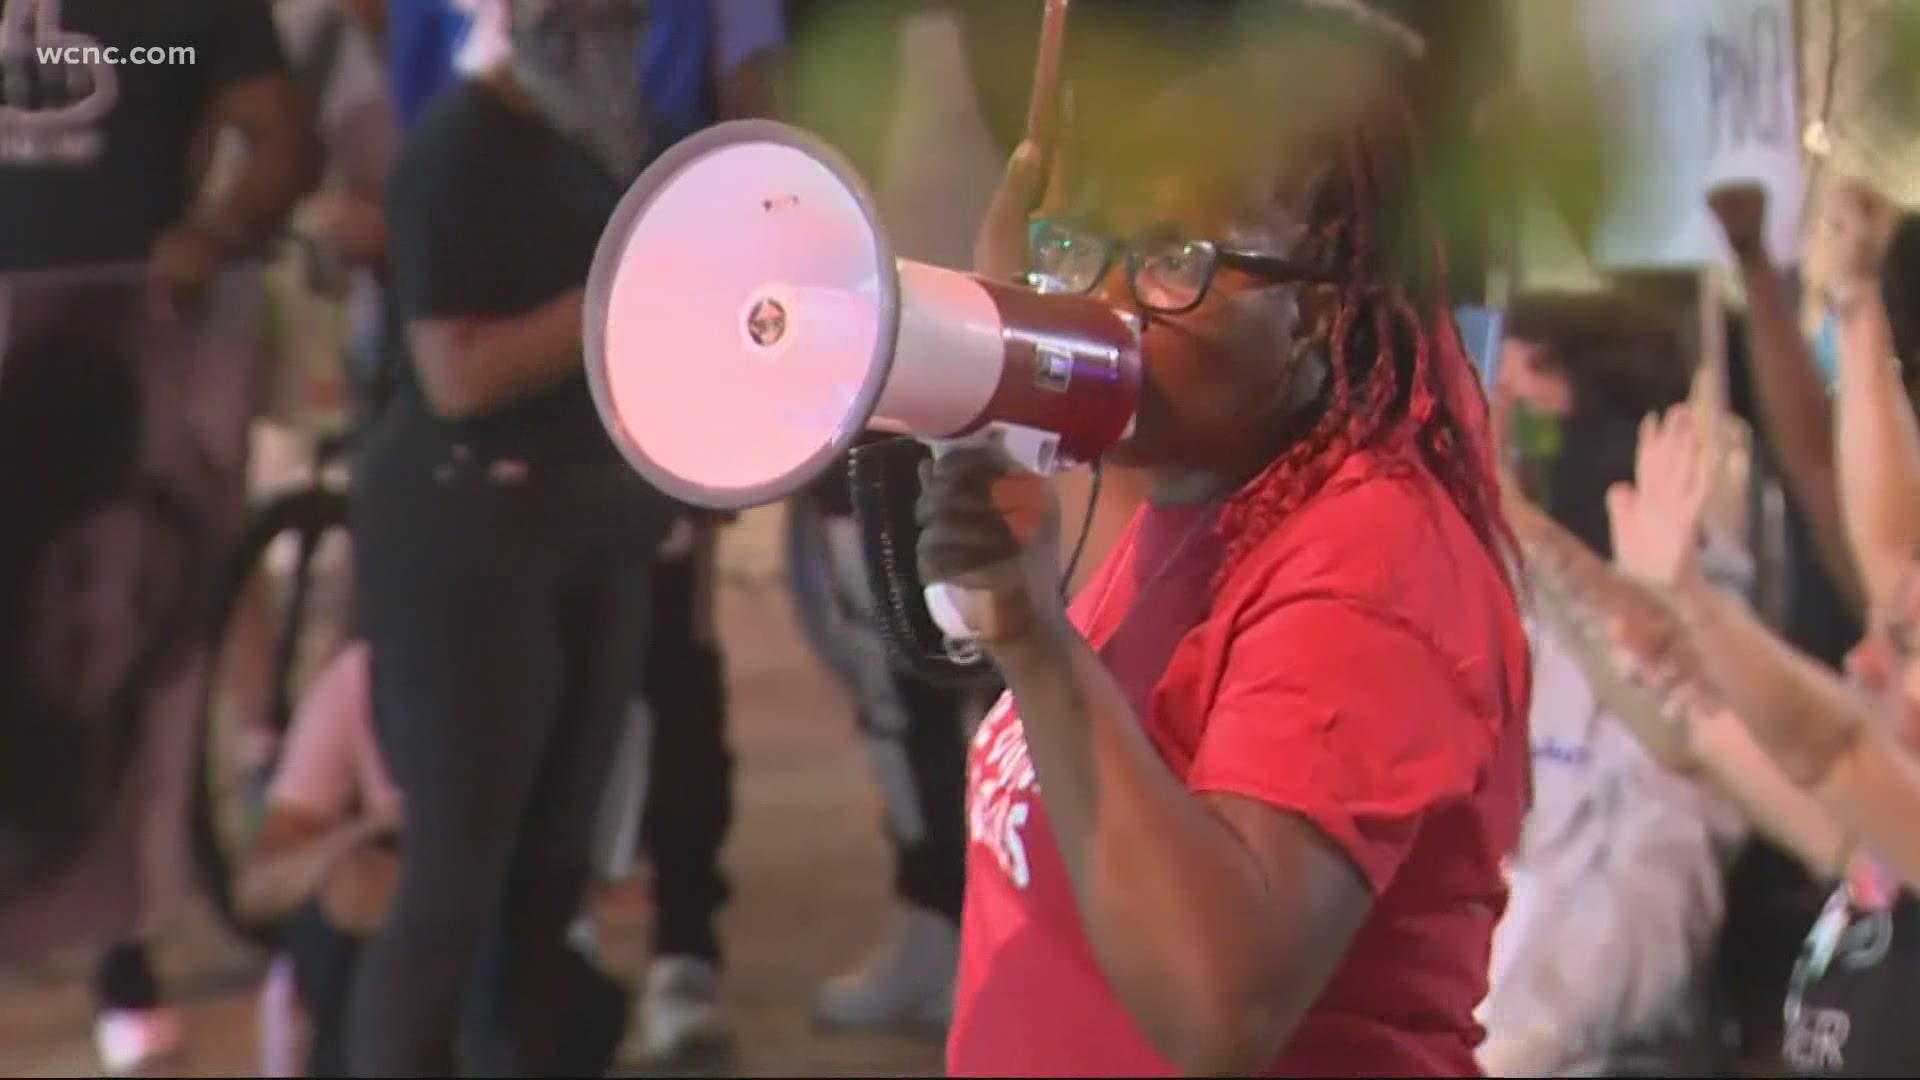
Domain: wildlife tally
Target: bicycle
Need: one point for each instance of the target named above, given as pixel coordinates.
(286, 560)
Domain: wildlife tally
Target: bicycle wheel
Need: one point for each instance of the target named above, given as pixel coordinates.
(281, 615)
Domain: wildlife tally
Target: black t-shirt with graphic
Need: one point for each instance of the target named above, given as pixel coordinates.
(94, 157)
(492, 212)
(1850, 1009)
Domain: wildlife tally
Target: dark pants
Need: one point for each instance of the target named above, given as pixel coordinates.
(324, 960)
(123, 979)
(921, 763)
(929, 861)
(689, 804)
(503, 618)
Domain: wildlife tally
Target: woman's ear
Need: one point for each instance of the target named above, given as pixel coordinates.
(1315, 305)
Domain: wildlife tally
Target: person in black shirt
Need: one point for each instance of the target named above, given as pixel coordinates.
(118, 256)
(501, 547)
(100, 162)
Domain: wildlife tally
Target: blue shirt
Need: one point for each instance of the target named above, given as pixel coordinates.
(422, 37)
(677, 77)
(690, 45)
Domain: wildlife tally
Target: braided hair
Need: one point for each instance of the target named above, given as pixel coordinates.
(1399, 378)
(1355, 84)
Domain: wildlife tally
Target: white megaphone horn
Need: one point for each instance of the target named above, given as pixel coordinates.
(746, 320)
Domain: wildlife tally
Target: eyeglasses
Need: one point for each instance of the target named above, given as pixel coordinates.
(1166, 273)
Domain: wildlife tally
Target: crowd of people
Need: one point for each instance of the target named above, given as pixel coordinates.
(1398, 720)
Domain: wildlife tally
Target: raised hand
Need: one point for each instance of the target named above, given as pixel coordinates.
(1742, 210)
(1859, 223)
(1656, 519)
(1000, 248)
(1031, 182)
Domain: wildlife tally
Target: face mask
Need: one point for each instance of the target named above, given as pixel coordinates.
(581, 63)
(1533, 438)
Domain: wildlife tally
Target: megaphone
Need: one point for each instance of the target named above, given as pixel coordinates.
(746, 321)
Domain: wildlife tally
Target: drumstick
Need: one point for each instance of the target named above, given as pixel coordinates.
(1042, 106)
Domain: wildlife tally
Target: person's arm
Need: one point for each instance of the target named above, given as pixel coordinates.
(1743, 773)
(471, 364)
(1642, 667)
(1801, 715)
(1646, 674)
(1581, 599)
(1879, 450)
(306, 831)
(282, 162)
(1820, 732)
(1795, 413)
(1879, 441)
(353, 225)
(1217, 919)
(457, 219)
(292, 857)
(1218, 906)
(255, 96)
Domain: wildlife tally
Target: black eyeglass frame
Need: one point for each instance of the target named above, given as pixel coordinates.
(1275, 269)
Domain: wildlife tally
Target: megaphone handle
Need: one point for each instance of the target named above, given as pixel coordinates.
(946, 603)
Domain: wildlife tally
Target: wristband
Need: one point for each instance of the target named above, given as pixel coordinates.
(1845, 300)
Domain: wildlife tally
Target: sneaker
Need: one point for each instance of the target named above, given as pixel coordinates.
(908, 984)
(679, 1011)
(129, 1040)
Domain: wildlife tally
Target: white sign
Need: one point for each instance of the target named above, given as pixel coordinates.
(1693, 93)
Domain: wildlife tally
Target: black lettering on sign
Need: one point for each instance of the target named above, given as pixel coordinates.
(1750, 81)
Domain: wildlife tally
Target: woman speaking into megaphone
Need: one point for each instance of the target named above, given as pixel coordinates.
(1244, 805)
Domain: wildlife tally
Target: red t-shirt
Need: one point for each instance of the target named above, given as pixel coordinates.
(1364, 669)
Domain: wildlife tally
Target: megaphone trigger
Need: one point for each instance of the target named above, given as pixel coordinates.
(948, 604)
(1032, 449)
(1026, 448)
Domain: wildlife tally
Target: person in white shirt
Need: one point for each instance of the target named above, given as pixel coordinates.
(322, 856)
(1601, 965)
(324, 859)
